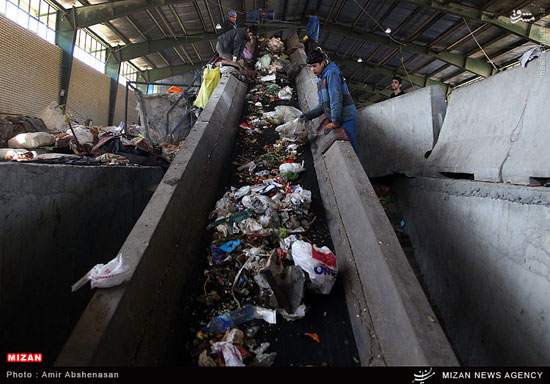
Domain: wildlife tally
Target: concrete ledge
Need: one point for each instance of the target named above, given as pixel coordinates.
(483, 250)
(161, 248)
(394, 135)
(56, 221)
(388, 311)
(494, 128)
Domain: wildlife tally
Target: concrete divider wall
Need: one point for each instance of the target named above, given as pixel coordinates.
(120, 325)
(56, 222)
(496, 129)
(394, 135)
(388, 310)
(483, 251)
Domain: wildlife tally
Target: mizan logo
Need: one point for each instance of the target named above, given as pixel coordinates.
(422, 376)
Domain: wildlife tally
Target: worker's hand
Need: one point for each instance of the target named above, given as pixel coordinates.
(329, 127)
(305, 38)
(234, 58)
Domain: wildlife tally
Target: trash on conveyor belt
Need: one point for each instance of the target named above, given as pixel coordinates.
(262, 261)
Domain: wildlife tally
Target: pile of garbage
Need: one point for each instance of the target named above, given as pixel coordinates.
(54, 136)
(260, 262)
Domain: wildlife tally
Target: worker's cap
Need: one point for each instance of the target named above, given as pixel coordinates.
(232, 13)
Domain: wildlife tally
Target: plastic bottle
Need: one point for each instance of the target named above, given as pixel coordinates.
(221, 323)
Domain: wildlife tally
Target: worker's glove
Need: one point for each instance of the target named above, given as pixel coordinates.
(234, 58)
(329, 127)
(305, 38)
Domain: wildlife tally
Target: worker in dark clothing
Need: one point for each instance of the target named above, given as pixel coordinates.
(312, 33)
(230, 22)
(396, 84)
(334, 97)
(230, 45)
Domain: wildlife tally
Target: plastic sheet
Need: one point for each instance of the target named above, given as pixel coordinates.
(211, 78)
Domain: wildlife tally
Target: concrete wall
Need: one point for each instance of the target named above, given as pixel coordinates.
(483, 249)
(394, 135)
(388, 310)
(162, 249)
(495, 129)
(56, 222)
(31, 70)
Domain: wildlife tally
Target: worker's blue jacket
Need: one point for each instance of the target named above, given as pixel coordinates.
(312, 28)
(334, 98)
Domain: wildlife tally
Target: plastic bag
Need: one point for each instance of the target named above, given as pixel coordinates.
(31, 140)
(263, 62)
(258, 203)
(230, 353)
(318, 263)
(211, 78)
(286, 113)
(291, 167)
(246, 54)
(285, 93)
(115, 272)
(293, 131)
(83, 134)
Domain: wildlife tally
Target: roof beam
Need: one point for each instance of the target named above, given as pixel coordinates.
(415, 79)
(530, 31)
(475, 66)
(163, 73)
(99, 13)
(132, 51)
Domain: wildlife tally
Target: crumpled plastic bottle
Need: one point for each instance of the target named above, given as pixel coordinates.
(221, 323)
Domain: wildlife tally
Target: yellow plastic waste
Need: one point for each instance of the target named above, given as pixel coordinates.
(211, 78)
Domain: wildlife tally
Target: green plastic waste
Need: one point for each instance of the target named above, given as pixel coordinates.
(265, 60)
(237, 217)
(290, 176)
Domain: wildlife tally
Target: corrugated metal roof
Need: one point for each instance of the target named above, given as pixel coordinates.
(418, 34)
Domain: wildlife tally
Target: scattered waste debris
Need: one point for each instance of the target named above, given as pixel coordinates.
(260, 263)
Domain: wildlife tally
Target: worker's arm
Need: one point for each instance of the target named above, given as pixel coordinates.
(313, 113)
(334, 86)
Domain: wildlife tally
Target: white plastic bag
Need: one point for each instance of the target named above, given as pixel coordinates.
(83, 134)
(293, 131)
(291, 167)
(286, 113)
(258, 203)
(285, 93)
(31, 140)
(318, 263)
(114, 273)
(230, 353)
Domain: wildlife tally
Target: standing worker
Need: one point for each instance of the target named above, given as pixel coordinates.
(396, 84)
(231, 21)
(312, 33)
(334, 98)
(230, 45)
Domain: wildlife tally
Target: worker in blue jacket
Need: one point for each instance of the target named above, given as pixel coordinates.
(312, 33)
(334, 97)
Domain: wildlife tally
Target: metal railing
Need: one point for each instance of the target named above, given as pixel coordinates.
(185, 94)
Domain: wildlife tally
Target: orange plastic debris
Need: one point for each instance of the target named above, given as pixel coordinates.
(314, 336)
(174, 89)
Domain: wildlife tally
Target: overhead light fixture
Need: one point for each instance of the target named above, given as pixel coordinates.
(359, 60)
(388, 30)
(218, 26)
